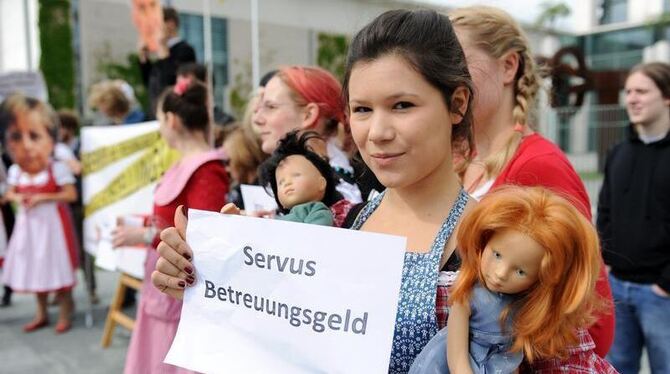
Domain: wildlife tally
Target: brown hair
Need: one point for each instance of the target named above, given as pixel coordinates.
(497, 33)
(244, 154)
(171, 14)
(16, 104)
(659, 72)
(108, 97)
(426, 40)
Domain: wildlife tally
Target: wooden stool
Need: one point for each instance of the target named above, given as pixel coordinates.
(115, 315)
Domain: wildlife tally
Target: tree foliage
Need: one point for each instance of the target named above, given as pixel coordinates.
(332, 53)
(552, 11)
(57, 55)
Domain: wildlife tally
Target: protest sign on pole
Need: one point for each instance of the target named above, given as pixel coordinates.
(28, 83)
(121, 166)
(284, 297)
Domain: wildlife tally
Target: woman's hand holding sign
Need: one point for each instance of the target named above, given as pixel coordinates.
(174, 269)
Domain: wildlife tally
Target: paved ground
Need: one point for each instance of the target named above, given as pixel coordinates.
(77, 351)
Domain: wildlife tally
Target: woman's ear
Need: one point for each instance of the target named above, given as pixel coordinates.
(310, 116)
(170, 120)
(460, 100)
(510, 66)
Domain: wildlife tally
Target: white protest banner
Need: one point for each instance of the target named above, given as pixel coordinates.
(256, 198)
(121, 166)
(28, 83)
(282, 297)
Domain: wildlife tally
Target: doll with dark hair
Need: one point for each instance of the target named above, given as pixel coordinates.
(302, 182)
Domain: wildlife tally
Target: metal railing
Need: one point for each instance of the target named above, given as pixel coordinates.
(586, 134)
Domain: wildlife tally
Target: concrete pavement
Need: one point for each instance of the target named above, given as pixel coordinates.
(77, 351)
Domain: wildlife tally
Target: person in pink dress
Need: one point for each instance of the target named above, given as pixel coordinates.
(197, 181)
(42, 251)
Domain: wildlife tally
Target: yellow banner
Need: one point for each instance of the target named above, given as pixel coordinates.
(101, 157)
(145, 170)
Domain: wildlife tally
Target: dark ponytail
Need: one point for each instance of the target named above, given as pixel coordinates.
(188, 101)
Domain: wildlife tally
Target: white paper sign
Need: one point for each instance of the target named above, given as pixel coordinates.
(282, 297)
(256, 198)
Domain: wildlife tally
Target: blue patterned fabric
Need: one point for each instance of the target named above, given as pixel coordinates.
(415, 319)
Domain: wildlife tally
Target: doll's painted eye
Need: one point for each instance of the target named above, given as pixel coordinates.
(497, 255)
(520, 273)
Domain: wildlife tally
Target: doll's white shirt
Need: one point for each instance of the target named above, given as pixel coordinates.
(62, 175)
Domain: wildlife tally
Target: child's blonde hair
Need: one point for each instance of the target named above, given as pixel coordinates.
(546, 316)
(18, 104)
(497, 33)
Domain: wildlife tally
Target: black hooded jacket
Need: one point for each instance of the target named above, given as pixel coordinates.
(634, 211)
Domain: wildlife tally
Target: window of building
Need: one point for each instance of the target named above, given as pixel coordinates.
(612, 11)
(617, 50)
(191, 30)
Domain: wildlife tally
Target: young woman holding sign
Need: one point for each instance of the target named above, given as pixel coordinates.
(404, 128)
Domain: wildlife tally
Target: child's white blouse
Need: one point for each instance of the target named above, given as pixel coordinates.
(61, 173)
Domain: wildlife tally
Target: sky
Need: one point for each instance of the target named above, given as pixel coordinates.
(522, 10)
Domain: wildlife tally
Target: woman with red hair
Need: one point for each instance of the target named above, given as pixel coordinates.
(307, 98)
(530, 263)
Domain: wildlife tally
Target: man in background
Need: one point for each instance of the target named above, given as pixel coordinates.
(634, 224)
(159, 68)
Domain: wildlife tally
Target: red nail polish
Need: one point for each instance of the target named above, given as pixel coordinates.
(182, 284)
(190, 280)
(188, 257)
(188, 270)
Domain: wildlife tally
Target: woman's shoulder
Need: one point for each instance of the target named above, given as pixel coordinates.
(537, 145)
(206, 169)
(539, 155)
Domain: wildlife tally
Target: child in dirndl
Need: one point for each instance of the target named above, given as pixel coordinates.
(42, 250)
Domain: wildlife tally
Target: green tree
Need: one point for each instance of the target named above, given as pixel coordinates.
(128, 70)
(332, 53)
(57, 55)
(552, 11)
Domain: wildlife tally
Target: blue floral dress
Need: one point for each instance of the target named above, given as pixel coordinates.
(415, 319)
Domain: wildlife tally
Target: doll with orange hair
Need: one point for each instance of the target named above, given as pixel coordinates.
(530, 262)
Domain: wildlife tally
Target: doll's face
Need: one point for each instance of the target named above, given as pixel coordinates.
(298, 181)
(29, 143)
(511, 262)
(148, 19)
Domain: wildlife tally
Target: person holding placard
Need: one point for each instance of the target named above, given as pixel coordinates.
(407, 130)
(197, 181)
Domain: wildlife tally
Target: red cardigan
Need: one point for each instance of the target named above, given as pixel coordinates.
(539, 162)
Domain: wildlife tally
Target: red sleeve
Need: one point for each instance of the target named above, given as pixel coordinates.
(207, 188)
(555, 173)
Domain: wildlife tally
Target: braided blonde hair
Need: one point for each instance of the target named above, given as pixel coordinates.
(497, 33)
